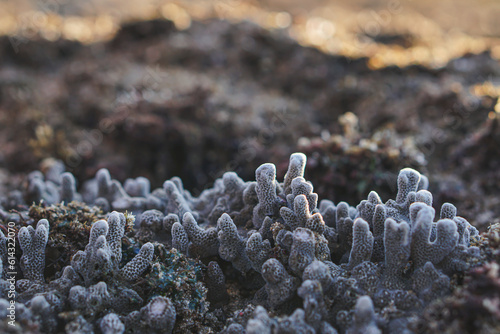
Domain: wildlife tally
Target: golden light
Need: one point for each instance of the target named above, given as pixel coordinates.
(177, 14)
(497, 107)
(283, 20)
(77, 28)
(331, 28)
(105, 25)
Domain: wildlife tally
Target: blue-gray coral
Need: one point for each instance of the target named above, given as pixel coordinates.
(319, 267)
(111, 324)
(280, 285)
(103, 254)
(364, 321)
(33, 244)
(232, 247)
(158, 316)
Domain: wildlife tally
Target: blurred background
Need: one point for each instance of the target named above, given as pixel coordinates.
(390, 31)
(197, 88)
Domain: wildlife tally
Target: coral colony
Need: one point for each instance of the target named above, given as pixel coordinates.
(242, 257)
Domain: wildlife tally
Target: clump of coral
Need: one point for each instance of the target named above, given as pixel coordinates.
(164, 260)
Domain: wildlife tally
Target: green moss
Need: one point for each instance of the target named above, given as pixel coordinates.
(179, 278)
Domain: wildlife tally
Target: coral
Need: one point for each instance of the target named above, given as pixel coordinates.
(232, 247)
(213, 122)
(102, 255)
(39, 189)
(134, 269)
(193, 263)
(44, 313)
(180, 239)
(138, 187)
(364, 318)
(375, 214)
(158, 316)
(296, 169)
(78, 325)
(362, 244)
(177, 202)
(68, 188)
(94, 299)
(111, 324)
(280, 286)
(69, 230)
(301, 216)
(397, 251)
(33, 244)
(295, 323)
(169, 220)
(216, 285)
(232, 196)
(110, 194)
(257, 250)
(95, 262)
(261, 322)
(266, 186)
(430, 283)
(314, 305)
(302, 252)
(344, 228)
(320, 272)
(151, 220)
(422, 250)
(202, 243)
(23, 316)
(235, 329)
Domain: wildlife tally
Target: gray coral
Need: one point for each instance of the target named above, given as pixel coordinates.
(202, 242)
(280, 285)
(258, 250)
(101, 257)
(33, 244)
(111, 324)
(364, 318)
(318, 268)
(303, 250)
(266, 191)
(158, 316)
(232, 247)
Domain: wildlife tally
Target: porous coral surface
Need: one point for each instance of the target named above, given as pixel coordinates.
(277, 259)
